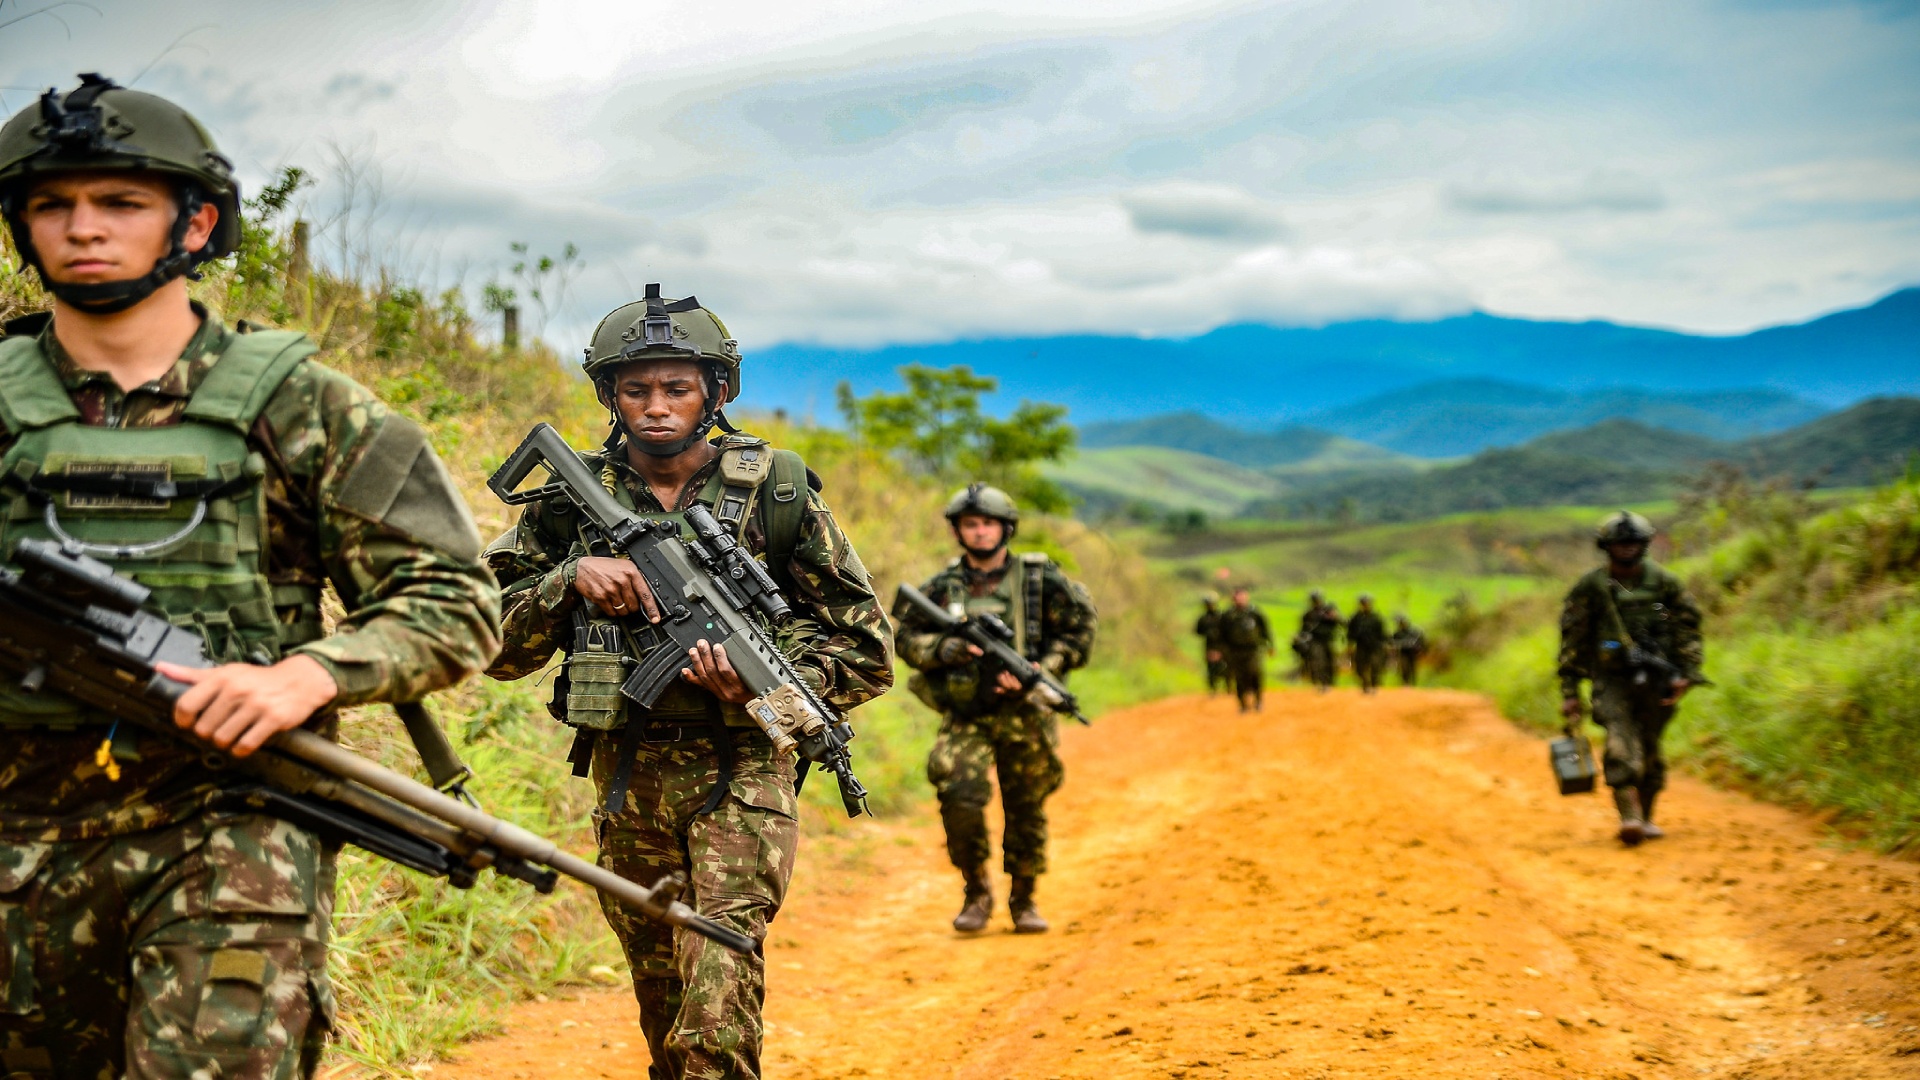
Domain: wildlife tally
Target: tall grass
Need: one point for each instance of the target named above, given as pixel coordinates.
(421, 966)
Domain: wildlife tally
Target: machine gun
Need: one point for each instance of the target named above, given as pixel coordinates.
(994, 638)
(70, 625)
(708, 589)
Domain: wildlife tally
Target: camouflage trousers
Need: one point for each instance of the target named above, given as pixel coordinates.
(195, 950)
(1409, 663)
(1369, 664)
(1021, 746)
(1249, 671)
(1318, 662)
(1218, 675)
(1635, 720)
(699, 1003)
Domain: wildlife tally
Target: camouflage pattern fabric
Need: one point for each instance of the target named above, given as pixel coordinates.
(1214, 657)
(1248, 669)
(1247, 637)
(1407, 646)
(1320, 627)
(700, 1003)
(1021, 747)
(420, 617)
(1014, 740)
(225, 918)
(1656, 612)
(1634, 720)
(146, 932)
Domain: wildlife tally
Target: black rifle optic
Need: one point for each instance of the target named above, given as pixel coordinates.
(70, 625)
(707, 589)
(994, 638)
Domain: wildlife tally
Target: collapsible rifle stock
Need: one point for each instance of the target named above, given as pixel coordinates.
(708, 589)
(70, 625)
(994, 638)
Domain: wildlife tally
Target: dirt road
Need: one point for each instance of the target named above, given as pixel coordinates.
(1339, 886)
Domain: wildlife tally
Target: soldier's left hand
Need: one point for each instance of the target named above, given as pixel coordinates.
(1007, 684)
(1680, 688)
(713, 672)
(238, 707)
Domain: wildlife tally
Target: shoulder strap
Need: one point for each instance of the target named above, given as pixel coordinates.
(745, 463)
(1606, 585)
(787, 506)
(30, 393)
(239, 385)
(1028, 626)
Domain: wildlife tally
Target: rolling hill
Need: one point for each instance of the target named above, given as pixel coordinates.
(1263, 375)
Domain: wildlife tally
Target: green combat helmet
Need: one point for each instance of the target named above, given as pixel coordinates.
(987, 501)
(657, 329)
(101, 125)
(1625, 527)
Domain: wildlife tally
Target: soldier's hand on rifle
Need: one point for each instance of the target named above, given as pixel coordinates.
(616, 587)
(1680, 688)
(1005, 683)
(238, 707)
(954, 650)
(711, 671)
(1571, 708)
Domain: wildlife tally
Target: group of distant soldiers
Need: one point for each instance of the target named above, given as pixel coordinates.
(1236, 640)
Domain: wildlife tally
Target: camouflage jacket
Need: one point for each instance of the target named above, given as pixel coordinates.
(843, 643)
(420, 612)
(1321, 624)
(1366, 632)
(1207, 628)
(1067, 625)
(1656, 614)
(1245, 630)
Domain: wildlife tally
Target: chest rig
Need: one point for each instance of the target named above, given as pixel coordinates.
(751, 476)
(1017, 599)
(1635, 616)
(180, 509)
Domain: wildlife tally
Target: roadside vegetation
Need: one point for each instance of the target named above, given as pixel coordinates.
(421, 966)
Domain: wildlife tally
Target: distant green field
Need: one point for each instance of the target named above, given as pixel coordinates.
(1111, 480)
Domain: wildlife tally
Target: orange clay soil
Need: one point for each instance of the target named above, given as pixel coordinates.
(1339, 886)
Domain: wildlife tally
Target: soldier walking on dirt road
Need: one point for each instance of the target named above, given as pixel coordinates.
(1318, 640)
(1367, 641)
(1408, 644)
(1631, 629)
(151, 925)
(1248, 642)
(987, 726)
(1213, 649)
(691, 785)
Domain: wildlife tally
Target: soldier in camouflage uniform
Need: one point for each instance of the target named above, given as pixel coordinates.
(987, 728)
(1408, 644)
(1213, 649)
(1248, 641)
(691, 785)
(150, 928)
(1367, 641)
(1631, 629)
(1318, 642)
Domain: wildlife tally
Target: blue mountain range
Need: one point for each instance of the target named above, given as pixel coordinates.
(1265, 377)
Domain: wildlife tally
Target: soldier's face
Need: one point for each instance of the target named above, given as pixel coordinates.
(1241, 599)
(90, 228)
(661, 401)
(1627, 554)
(978, 532)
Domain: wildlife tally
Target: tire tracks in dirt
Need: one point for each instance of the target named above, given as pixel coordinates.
(1339, 886)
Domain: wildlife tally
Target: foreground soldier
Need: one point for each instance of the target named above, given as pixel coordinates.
(987, 727)
(1248, 642)
(1407, 643)
(1207, 628)
(1319, 640)
(1367, 639)
(1631, 629)
(690, 785)
(149, 931)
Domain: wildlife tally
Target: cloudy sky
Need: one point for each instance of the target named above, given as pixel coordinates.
(862, 172)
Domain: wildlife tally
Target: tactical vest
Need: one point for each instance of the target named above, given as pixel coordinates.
(1643, 617)
(1019, 601)
(600, 655)
(180, 509)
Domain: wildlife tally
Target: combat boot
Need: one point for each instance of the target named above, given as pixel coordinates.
(977, 906)
(1026, 918)
(1633, 827)
(1647, 828)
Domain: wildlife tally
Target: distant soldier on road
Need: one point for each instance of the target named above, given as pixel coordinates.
(1319, 639)
(1631, 629)
(1247, 642)
(988, 727)
(1408, 644)
(1212, 646)
(1367, 641)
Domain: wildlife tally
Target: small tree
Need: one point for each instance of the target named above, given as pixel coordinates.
(937, 427)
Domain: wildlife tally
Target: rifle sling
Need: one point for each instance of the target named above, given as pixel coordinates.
(626, 750)
(723, 749)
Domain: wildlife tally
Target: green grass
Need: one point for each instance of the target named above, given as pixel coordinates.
(1166, 479)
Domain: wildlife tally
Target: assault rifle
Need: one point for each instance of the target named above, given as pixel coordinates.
(708, 589)
(70, 625)
(994, 638)
(1651, 662)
